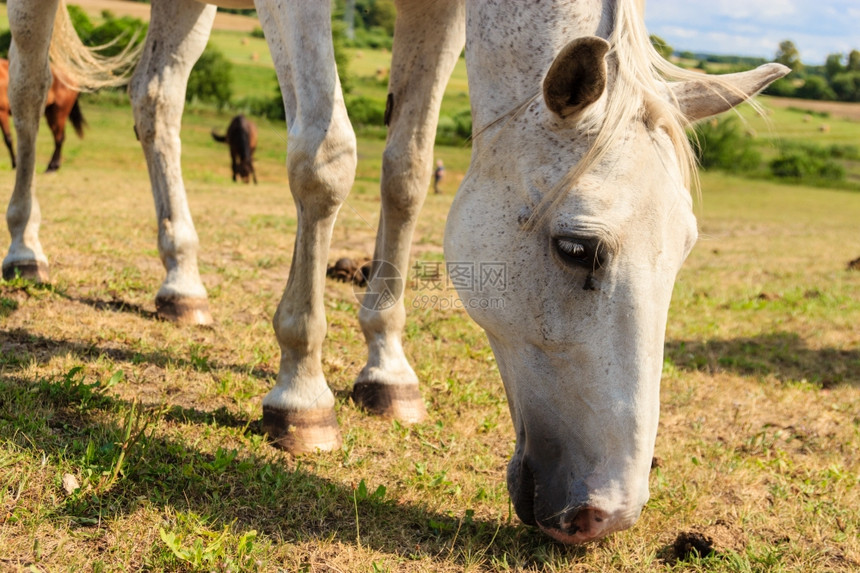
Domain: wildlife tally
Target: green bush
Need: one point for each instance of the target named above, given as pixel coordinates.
(800, 161)
(364, 111)
(815, 87)
(454, 129)
(722, 144)
(847, 86)
(80, 21)
(373, 39)
(268, 107)
(211, 79)
(783, 87)
(5, 42)
(845, 151)
(115, 33)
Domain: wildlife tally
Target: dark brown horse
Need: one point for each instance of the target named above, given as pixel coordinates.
(62, 104)
(242, 138)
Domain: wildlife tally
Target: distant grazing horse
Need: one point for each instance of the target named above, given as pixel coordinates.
(62, 104)
(242, 138)
(563, 241)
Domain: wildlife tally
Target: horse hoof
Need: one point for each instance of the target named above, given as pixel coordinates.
(35, 271)
(302, 431)
(402, 403)
(183, 310)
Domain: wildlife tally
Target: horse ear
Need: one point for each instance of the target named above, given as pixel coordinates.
(703, 98)
(577, 77)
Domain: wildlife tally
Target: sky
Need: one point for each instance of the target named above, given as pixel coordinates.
(756, 27)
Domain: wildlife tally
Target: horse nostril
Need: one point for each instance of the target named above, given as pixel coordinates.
(588, 522)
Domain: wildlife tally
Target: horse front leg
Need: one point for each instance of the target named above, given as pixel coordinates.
(298, 413)
(428, 38)
(177, 36)
(31, 23)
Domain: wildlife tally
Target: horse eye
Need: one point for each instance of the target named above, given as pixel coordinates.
(580, 252)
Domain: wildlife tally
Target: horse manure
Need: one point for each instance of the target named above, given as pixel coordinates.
(347, 270)
(719, 537)
(689, 541)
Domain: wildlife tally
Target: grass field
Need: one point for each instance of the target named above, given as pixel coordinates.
(159, 425)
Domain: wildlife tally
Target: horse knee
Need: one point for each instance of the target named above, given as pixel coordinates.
(321, 168)
(157, 110)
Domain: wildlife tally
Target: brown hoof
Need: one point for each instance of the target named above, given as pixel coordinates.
(302, 431)
(184, 310)
(36, 271)
(402, 403)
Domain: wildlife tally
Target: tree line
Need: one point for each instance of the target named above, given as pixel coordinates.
(837, 80)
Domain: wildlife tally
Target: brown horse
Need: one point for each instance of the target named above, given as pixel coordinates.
(62, 104)
(242, 138)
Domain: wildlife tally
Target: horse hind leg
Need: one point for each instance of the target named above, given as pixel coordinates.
(7, 134)
(31, 24)
(387, 384)
(298, 413)
(57, 122)
(157, 92)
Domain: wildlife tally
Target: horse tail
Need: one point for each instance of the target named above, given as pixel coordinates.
(219, 138)
(83, 68)
(77, 118)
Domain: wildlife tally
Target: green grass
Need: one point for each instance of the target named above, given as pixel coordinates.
(159, 425)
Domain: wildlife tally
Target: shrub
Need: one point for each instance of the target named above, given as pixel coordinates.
(722, 144)
(268, 107)
(80, 21)
(211, 79)
(847, 86)
(5, 42)
(815, 87)
(845, 151)
(374, 38)
(808, 161)
(115, 33)
(454, 129)
(783, 87)
(364, 111)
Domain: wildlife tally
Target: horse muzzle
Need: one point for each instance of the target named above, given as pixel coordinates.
(566, 512)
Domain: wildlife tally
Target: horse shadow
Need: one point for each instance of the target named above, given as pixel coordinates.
(251, 488)
(783, 355)
(22, 346)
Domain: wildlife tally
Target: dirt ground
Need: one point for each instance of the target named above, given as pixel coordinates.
(834, 108)
(141, 10)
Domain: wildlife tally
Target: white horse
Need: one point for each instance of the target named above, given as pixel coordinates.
(578, 189)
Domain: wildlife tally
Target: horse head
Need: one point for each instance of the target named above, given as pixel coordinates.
(579, 200)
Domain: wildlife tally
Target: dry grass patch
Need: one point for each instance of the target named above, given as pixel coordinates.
(756, 456)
